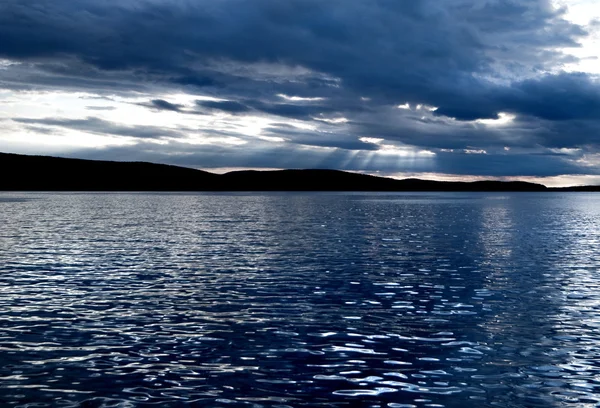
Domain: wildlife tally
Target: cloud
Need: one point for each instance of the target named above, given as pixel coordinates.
(226, 106)
(161, 104)
(100, 108)
(298, 156)
(425, 51)
(344, 66)
(561, 97)
(308, 137)
(555, 97)
(103, 127)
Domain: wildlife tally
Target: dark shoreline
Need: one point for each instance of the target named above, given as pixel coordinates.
(46, 173)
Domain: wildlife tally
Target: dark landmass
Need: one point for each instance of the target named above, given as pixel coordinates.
(44, 173)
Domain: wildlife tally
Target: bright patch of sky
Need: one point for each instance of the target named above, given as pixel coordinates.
(586, 13)
(503, 119)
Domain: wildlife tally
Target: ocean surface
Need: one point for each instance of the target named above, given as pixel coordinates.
(300, 299)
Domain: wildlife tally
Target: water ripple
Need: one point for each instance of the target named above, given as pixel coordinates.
(286, 300)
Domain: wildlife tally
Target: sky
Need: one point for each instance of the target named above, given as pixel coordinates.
(436, 89)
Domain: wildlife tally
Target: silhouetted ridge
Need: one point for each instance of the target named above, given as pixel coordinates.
(44, 173)
(335, 180)
(22, 172)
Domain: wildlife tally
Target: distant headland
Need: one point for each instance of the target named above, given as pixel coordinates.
(45, 173)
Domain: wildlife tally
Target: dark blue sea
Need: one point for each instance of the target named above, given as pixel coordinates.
(300, 300)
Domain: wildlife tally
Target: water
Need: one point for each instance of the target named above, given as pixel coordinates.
(291, 300)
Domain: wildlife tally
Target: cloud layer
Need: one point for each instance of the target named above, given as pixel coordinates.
(469, 87)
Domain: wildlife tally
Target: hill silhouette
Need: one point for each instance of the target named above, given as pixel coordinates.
(45, 173)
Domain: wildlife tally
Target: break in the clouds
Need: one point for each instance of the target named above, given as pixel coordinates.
(494, 88)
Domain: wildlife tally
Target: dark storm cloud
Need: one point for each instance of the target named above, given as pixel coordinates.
(290, 110)
(472, 59)
(557, 97)
(42, 76)
(564, 96)
(420, 51)
(161, 105)
(277, 106)
(164, 105)
(226, 106)
(100, 126)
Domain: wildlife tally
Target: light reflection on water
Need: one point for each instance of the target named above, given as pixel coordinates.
(380, 300)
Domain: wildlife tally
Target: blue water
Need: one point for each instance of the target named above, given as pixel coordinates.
(291, 300)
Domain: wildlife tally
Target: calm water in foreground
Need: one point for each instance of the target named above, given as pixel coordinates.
(290, 300)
